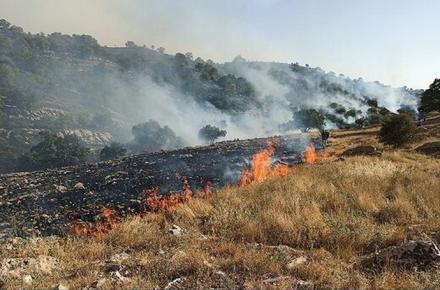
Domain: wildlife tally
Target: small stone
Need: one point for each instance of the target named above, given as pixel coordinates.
(60, 188)
(176, 230)
(79, 186)
(118, 276)
(174, 283)
(62, 287)
(296, 262)
(27, 279)
(100, 282)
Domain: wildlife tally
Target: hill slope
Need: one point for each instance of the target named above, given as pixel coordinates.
(317, 227)
(71, 84)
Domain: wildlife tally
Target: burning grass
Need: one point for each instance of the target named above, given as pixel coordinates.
(332, 213)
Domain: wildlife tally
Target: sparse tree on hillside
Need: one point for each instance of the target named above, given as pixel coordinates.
(308, 118)
(430, 100)
(397, 130)
(55, 151)
(211, 133)
(150, 136)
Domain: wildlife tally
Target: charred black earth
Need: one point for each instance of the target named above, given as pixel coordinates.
(44, 202)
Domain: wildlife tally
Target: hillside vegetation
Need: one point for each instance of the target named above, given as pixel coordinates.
(70, 84)
(309, 229)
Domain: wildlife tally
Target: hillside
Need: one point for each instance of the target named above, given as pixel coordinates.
(70, 84)
(341, 222)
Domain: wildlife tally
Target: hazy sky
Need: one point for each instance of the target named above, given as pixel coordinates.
(393, 41)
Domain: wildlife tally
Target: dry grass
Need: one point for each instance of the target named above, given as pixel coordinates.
(333, 213)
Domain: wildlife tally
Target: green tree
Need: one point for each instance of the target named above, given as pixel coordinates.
(211, 133)
(114, 151)
(430, 100)
(397, 130)
(55, 151)
(308, 118)
(150, 136)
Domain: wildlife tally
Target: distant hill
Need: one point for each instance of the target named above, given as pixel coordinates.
(70, 83)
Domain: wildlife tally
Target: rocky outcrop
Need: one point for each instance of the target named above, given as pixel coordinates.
(411, 255)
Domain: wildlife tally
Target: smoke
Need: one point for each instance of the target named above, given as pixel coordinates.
(278, 89)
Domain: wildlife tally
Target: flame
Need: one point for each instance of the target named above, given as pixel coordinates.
(208, 190)
(107, 222)
(310, 156)
(156, 202)
(261, 166)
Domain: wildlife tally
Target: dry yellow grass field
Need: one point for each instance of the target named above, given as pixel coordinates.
(307, 230)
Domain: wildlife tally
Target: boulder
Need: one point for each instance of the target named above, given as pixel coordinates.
(362, 150)
(411, 255)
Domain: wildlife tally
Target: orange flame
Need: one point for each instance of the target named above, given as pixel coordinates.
(156, 202)
(208, 190)
(261, 166)
(106, 223)
(310, 156)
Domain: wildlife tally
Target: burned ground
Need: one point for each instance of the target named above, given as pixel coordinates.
(44, 202)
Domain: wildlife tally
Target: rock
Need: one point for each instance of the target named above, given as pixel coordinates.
(411, 255)
(99, 283)
(301, 284)
(220, 273)
(62, 287)
(430, 148)
(176, 230)
(60, 188)
(14, 267)
(119, 277)
(362, 150)
(296, 262)
(79, 186)
(175, 283)
(118, 258)
(275, 280)
(27, 279)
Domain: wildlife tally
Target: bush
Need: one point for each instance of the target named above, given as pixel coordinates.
(55, 151)
(430, 100)
(150, 136)
(114, 151)
(211, 133)
(308, 118)
(397, 130)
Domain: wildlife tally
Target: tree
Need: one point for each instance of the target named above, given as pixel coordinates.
(397, 130)
(114, 151)
(430, 100)
(150, 136)
(211, 133)
(130, 44)
(308, 118)
(55, 151)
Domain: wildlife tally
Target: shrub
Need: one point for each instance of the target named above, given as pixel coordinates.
(150, 136)
(308, 118)
(211, 133)
(430, 100)
(55, 151)
(397, 130)
(114, 151)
